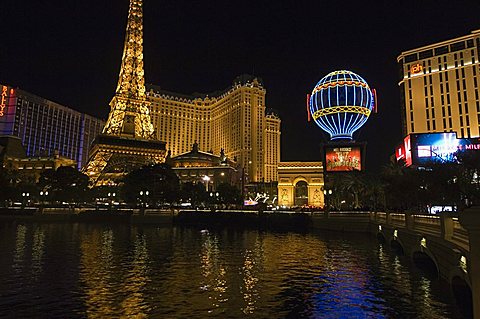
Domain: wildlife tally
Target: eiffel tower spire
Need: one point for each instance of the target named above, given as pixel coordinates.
(127, 141)
(129, 114)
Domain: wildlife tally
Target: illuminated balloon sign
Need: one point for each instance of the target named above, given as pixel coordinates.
(341, 103)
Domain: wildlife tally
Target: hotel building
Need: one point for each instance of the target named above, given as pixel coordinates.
(46, 128)
(235, 120)
(439, 87)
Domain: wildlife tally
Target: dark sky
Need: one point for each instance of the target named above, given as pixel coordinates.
(69, 51)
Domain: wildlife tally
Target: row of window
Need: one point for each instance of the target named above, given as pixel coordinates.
(441, 50)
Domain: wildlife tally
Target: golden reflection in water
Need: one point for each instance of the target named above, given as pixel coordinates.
(397, 267)
(96, 263)
(425, 291)
(134, 305)
(249, 283)
(214, 272)
(20, 244)
(38, 250)
(253, 262)
(394, 271)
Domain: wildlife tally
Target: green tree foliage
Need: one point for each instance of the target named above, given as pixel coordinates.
(436, 184)
(7, 185)
(159, 180)
(469, 176)
(64, 184)
(228, 194)
(355, 190)
(412, 189)
(194, 193)
(102, 192)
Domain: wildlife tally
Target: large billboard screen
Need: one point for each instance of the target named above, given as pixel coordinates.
(422, 149)
(439, 147)
(343, 158)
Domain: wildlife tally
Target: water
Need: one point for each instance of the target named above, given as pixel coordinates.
(120, 271)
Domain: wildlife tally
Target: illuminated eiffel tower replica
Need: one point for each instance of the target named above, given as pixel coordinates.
(128, 138)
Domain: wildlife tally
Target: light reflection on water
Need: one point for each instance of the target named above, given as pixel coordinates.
(119, 271)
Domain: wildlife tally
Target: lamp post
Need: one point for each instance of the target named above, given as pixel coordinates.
(111, 198)
(25, 199)
(206, 179)
(43, 197)
(143, 199)
(214, 198)
(327, 193)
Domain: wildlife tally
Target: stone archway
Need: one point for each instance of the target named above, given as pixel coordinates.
(300, 183)
(301, 193)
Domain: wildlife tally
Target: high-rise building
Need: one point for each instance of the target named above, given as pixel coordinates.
(439, 87)
(235, 120)
(46, 127)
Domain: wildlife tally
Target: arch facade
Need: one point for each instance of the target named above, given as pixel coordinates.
(291, 175)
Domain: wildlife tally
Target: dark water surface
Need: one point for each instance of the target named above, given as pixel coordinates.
(120, 271)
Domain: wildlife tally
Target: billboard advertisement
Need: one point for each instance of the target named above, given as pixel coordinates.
(343, 158)
(440, 147)
(421, 149)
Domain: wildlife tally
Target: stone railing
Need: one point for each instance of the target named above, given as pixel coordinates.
(444, 226)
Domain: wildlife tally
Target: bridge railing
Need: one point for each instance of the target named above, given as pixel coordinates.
(460, 234)
(444, 226)
(430, 224)
(398, 219)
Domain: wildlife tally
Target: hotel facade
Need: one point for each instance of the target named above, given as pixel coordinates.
(235, 120)
(46, 128)
(439, 87)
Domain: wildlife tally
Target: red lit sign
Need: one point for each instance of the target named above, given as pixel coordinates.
(3, 100)
(400, 152)
(407, 146)
(416, 68)
(343, 159)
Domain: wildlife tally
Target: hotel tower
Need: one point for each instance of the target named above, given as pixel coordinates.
(235, 120)
(439, 87)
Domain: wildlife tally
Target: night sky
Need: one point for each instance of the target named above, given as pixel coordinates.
(69, 51)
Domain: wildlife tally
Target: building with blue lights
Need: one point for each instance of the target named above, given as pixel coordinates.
(341, 103)
(47, 128)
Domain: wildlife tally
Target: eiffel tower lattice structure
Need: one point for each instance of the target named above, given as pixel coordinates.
(128, 138)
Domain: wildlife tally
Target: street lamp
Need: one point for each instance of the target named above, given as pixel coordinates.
(327, 192)
(206, 179)
(43, 196)
(143, 195)
(25, 198)
(111, 198)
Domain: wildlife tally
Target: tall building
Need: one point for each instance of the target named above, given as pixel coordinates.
(439, 87)
(46, 127)
(235, 120)
(128, 139)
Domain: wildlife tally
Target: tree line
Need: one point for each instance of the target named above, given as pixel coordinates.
(152, 185)
(415, 189)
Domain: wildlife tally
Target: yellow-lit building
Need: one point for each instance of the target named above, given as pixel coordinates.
(235, 120)
(300, 184)
(203, 167)
(439, 87)
(14, 157)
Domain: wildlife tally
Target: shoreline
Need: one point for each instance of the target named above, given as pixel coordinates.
(303, 221)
